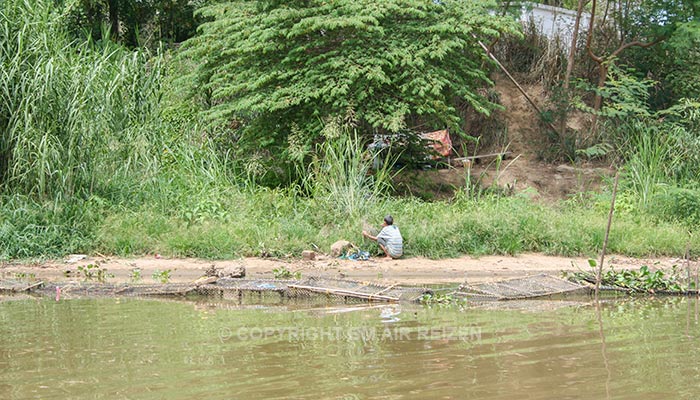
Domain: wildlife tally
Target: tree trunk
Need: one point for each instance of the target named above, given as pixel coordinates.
(602, 61)
(598, 101)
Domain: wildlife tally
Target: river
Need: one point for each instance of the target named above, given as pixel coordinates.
(165, 349)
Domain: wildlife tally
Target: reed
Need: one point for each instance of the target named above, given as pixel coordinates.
(78, 118)
(99, 154)
(341, 174)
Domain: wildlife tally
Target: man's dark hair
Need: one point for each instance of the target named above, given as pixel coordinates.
(389, 220)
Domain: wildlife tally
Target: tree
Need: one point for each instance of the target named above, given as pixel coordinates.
(277, 67)
(674, 63)
(130, 21)
(635, 23)
(569, 69)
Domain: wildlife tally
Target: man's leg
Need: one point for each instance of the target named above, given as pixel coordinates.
(388, 257)
(382, 245)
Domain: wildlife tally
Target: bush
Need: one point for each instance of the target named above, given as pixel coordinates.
(32, 229)
(678, 204)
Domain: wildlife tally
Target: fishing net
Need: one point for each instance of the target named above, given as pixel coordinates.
(348, 290)
(16, 286)
(230, 288)
(520, 288)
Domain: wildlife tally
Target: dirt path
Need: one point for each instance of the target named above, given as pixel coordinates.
(405, 271)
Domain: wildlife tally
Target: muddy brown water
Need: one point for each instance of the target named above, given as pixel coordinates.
(164, 349)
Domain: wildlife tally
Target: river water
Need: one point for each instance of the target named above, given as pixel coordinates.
(161, 349)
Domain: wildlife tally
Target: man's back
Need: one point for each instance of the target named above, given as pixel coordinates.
(393, 240)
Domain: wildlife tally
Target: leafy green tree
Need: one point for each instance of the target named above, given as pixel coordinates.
(626, 24)
(275, 71)
(675, 63)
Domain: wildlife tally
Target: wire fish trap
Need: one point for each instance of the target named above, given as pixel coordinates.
(15, 286)
(313, 288)
(235, 288)
(349, 290)
(254, 285)
(95, 289)
(529, 287)
(214, 287)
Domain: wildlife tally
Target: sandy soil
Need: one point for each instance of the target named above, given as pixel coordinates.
(404, 271)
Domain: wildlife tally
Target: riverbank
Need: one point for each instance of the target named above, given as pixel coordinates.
(407, 271)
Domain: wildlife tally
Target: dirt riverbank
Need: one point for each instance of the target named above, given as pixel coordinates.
(412, 271)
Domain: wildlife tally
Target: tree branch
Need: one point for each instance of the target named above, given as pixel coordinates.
(589, 37)
(637, 43)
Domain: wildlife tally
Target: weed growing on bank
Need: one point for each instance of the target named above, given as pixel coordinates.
(281, 222)
(100, 152)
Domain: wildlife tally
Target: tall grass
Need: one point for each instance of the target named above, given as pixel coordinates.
(77, 117)
(651, 162)
(341, 173)
(85, 134)
(98, 154)
(660, 153)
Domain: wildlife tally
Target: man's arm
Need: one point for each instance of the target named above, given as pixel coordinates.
(368, 236)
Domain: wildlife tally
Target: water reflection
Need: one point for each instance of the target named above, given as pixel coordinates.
(126, 348)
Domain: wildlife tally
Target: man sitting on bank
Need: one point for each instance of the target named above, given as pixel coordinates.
(389, 238)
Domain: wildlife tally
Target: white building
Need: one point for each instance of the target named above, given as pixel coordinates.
(554, 22)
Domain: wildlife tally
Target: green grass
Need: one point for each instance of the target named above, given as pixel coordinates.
(280, 223)
(77, 117)
(101, 153)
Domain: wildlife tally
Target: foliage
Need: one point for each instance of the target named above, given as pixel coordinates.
(598, 150)
(534, 56)
(280, 223)
(275, 68)
(29, 228)
(678, 204)
(673, 26)
(684, 48)
(102, 152)
(442, 299)
(284, 273)
(135, 275)
(76, 118)
(94, 272)
(133, 22)
(626, 95)
(161, 276)
(682, 124)
(649, 165)
(643, 280)
(643, 19)
(660, 150)
(341, 176)
(657, 148)
(25, 276)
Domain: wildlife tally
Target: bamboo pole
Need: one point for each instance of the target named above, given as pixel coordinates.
(599, 273)
(32, 286)
(517, 85)
(343, 292)
(386, 289)
(687, 263)
(697, 278)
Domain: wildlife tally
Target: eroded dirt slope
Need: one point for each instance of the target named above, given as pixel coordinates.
(523, 169)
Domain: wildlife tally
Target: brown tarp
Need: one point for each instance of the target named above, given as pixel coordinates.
(439, 141)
